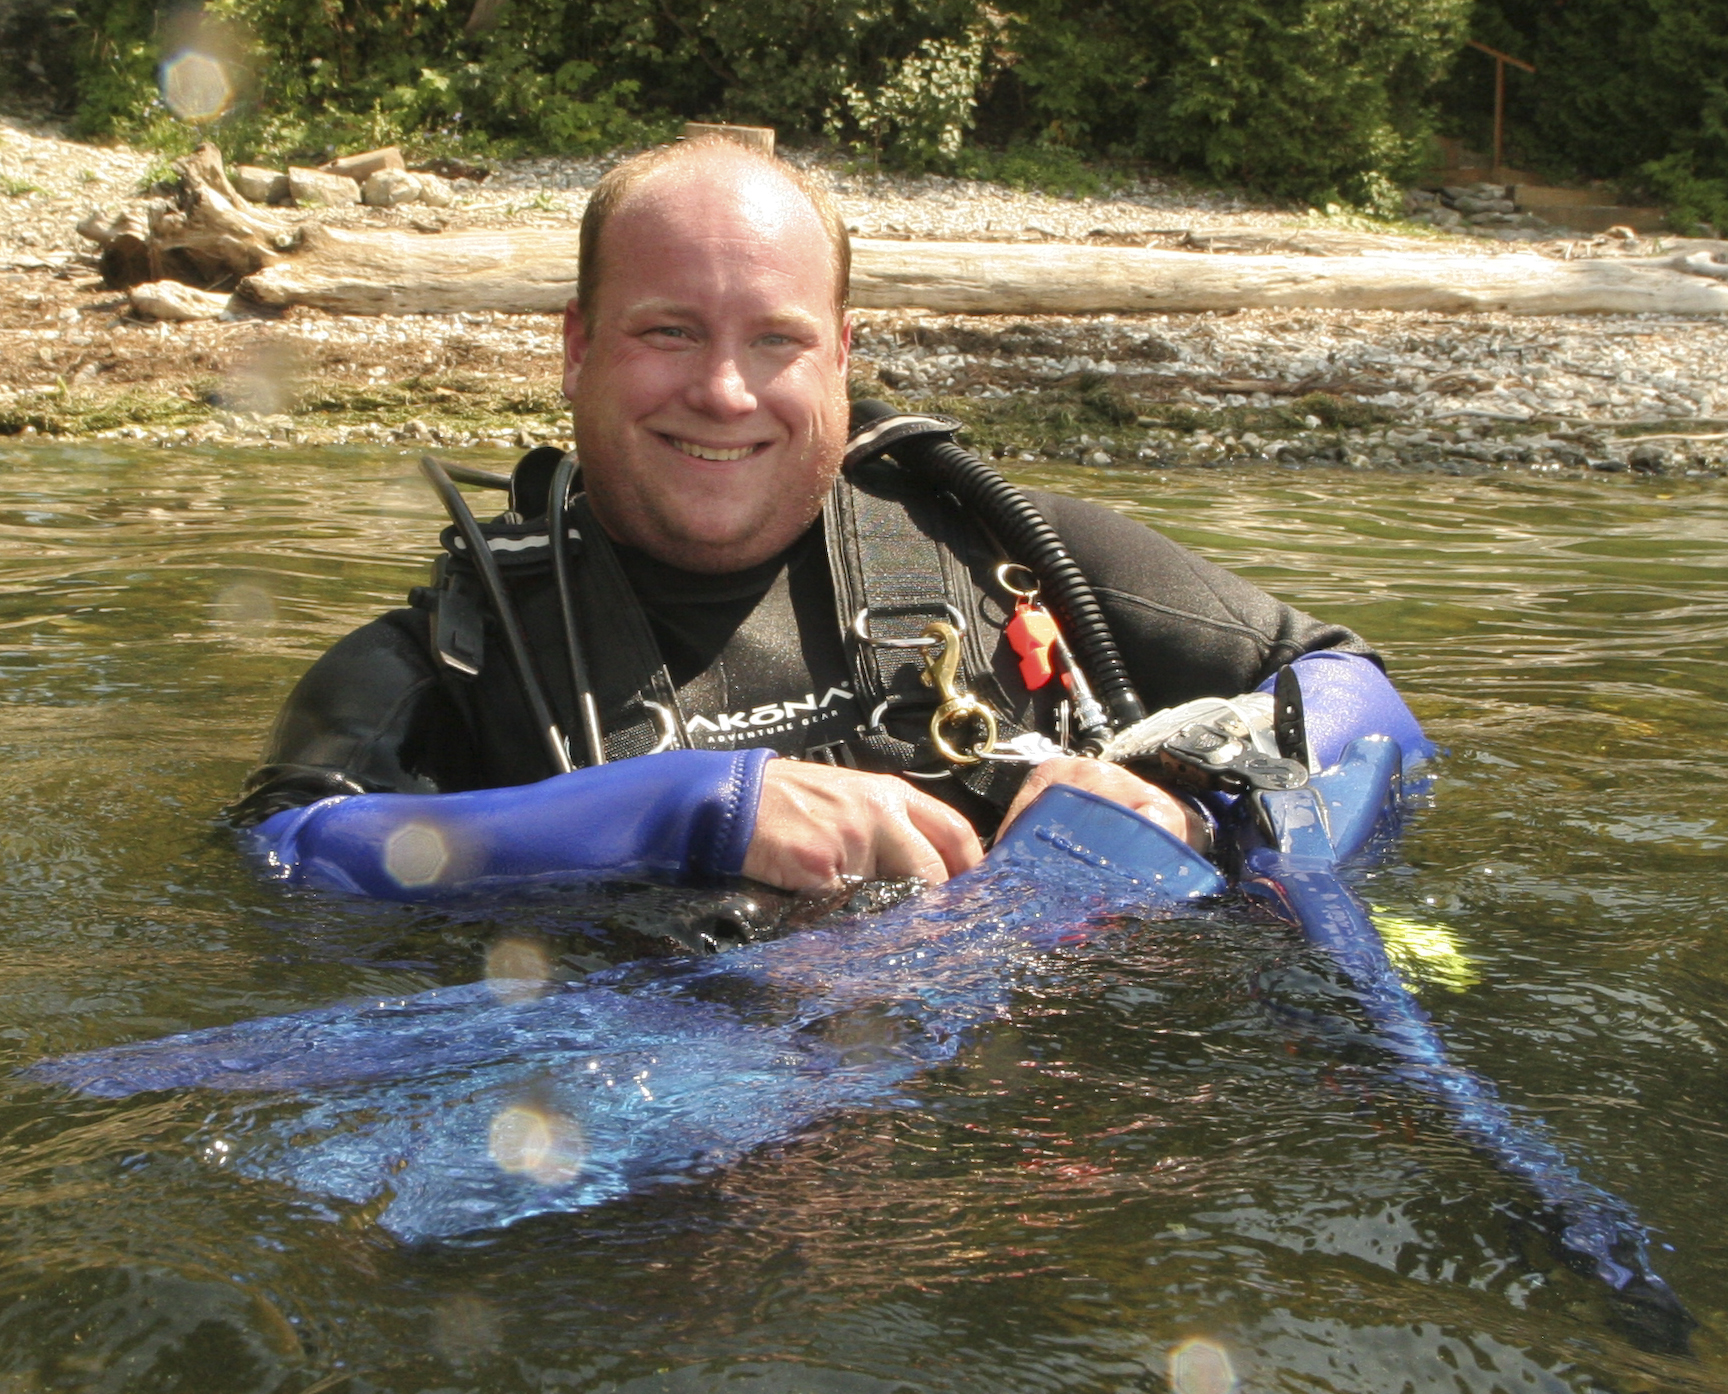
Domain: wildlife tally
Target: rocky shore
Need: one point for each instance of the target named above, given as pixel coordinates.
(1356, 389)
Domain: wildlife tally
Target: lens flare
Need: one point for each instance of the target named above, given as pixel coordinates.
(195, 86)
(531, 1141)
(465, 1326)
(416, 854)
(1198, 1366)
(245, 607)
(264, 378)
(517, 969)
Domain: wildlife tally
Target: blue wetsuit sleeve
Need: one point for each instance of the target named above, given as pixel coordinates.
(684, 814)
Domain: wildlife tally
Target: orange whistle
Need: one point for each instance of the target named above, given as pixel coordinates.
(1032, 634)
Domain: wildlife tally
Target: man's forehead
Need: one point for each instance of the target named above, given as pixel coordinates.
(713, 183)
(712, 219)
(716, 208)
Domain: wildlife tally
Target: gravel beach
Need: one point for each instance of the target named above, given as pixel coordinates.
(1364, 389)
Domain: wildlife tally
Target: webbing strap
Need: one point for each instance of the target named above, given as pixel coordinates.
(892, 555)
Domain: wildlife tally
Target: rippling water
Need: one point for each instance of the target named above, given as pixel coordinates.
(1152, 1149)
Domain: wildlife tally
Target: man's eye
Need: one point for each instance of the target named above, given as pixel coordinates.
(670, 331)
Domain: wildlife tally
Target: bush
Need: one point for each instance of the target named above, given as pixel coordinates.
(1318, 99)
(925, 103)
(1632, 91)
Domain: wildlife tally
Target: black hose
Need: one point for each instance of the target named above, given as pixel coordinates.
(492, 579)
(467, 474)
(587, 710)
(1032, 542)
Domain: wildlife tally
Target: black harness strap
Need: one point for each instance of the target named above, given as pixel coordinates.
(459, 631)
(638, 704)
(893, 554)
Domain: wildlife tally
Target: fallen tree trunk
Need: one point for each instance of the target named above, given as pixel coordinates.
(220, 239)
(1057, 279)
(514, 270)
(532, 269)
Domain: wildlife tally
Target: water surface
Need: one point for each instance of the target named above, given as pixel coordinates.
(1153, 1148)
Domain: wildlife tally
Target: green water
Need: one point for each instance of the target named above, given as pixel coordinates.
(1146, 1152)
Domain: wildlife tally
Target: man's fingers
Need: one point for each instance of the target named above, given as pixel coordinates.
(949, 844)
(816, 823)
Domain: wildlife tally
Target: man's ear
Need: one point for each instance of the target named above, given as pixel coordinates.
(845, 340)
(575, 347)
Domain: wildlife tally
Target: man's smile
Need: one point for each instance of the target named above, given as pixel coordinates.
(712, 452)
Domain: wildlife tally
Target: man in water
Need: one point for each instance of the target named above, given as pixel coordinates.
(706, 359)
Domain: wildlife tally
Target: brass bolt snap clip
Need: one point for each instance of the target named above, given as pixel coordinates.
(942, 672)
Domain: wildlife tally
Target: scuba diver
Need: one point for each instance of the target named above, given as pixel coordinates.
(800, 641)
(707, 649)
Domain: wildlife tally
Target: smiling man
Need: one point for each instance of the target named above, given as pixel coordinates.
(705, 357)
(737, 597)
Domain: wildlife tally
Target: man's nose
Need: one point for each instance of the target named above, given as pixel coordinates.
(721, 388)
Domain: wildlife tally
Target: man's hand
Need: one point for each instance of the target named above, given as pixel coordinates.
(1115, 783)
(817, 823)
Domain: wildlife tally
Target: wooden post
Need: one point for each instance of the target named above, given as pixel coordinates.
(1500, 62)
(756, 137)
(1499, 113)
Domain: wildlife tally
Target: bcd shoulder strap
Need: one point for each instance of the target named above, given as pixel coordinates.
(639, 707)
(638, 702)
(895, 552)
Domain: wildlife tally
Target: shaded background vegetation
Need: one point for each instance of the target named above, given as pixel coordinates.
(1632, 91)
(1317, 99)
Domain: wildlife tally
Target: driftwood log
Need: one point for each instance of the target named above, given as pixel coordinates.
(530, 269)
(1057, 279)
(211, 237)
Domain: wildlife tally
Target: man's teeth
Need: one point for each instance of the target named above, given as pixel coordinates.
(708, 452)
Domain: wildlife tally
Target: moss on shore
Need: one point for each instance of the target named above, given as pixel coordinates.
(1088, 419)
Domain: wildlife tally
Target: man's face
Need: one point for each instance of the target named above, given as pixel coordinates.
(710, 395)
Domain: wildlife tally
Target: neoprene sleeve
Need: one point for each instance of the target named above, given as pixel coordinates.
(680, 815)
(685, 814)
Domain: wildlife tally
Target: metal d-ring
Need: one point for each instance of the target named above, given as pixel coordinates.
(875, 724)
(662, 717)
(861, 628)
(1025, 592)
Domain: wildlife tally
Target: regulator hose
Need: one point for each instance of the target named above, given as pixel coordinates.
(1031, 541)
(515, 642)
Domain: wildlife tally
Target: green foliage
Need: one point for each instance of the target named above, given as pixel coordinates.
(64, 413)
(925, 103)
(1693, 200)
(1317, 99)
(1335, 411)
(1045, 168)
(1631, 91)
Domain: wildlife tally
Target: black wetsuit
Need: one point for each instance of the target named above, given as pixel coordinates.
(758, 660)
